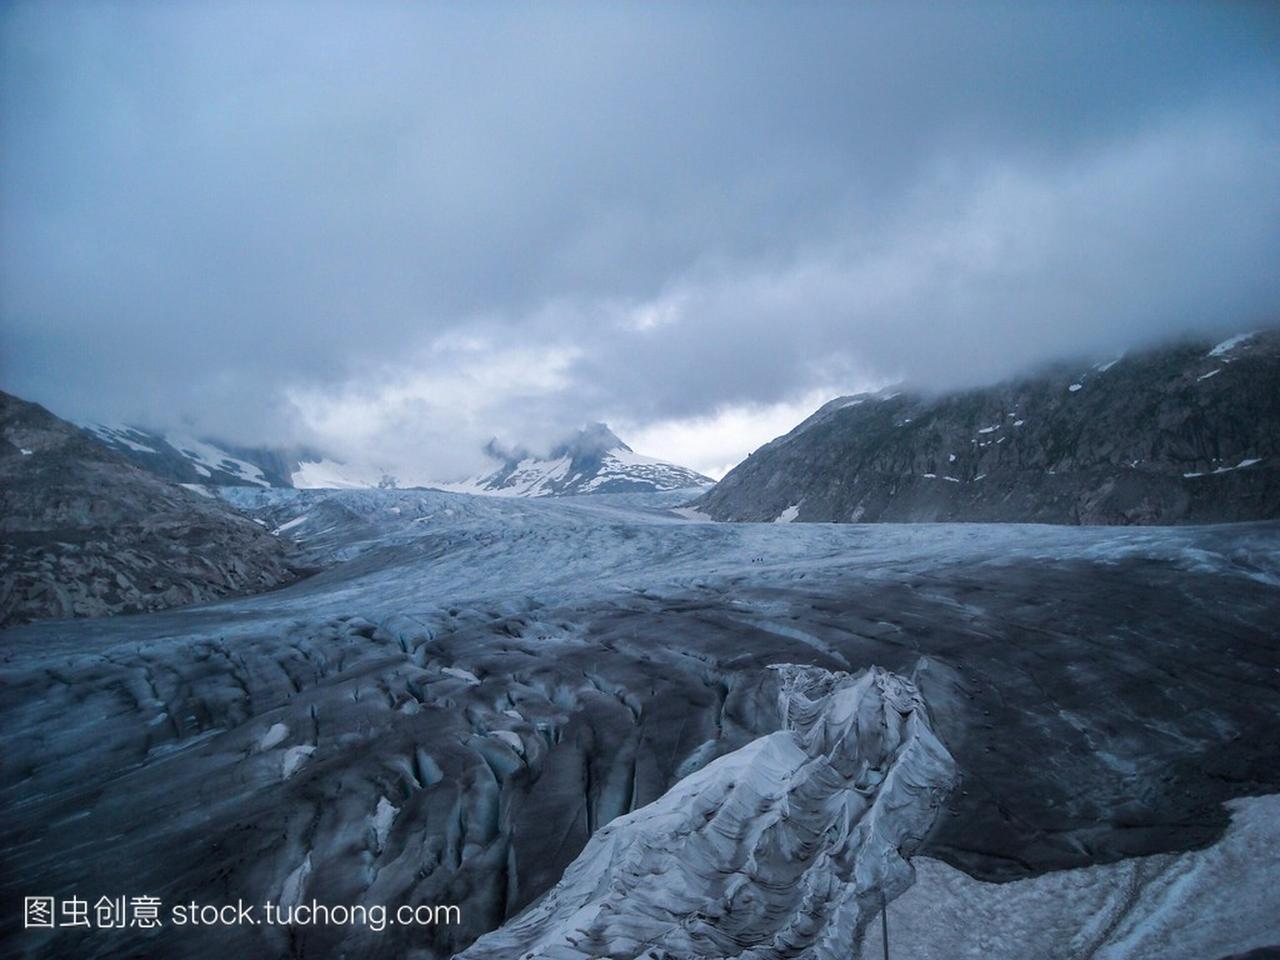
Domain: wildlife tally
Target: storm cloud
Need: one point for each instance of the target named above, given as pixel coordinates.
(403, 228)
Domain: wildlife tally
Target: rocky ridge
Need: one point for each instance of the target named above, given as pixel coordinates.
(88, 533)
(1189, 433)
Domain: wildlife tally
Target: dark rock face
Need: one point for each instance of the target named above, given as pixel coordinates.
(594, 460)
(87, 533)
(1185, 434)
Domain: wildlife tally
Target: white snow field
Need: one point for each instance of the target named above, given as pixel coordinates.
(474, 694)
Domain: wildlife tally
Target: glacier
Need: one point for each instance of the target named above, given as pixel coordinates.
(786, 847)
(1182, 906)
(474, 696)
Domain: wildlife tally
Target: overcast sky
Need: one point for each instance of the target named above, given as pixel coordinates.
(396, 230)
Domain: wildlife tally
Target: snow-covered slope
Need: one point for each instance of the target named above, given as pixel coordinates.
(187, 459)
(783, 848)
(593, 461)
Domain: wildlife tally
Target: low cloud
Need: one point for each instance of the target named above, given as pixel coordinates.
(430, 417)
(400, 233)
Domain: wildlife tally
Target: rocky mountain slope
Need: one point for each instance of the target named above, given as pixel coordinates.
(89, 533)
(216, 463)
(1188, 433)
(594, 460)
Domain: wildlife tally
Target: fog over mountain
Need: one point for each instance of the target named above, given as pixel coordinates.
(416, 228)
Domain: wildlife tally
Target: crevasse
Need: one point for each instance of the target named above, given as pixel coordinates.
(782, 849)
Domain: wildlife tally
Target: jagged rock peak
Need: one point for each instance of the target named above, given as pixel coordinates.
(592, 440)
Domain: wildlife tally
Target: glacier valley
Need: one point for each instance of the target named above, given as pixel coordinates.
(604, 728)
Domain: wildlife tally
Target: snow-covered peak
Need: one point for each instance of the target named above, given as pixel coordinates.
(592, 440)
(594, 460)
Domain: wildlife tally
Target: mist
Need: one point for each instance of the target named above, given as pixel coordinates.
(396, 230)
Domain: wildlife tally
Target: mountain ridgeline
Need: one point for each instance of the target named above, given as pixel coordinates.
(593, 460)
(88, 533)
(210, 463)
(1188, 433)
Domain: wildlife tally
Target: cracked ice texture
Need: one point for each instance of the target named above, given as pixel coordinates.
(1171, 906)
(782, 848)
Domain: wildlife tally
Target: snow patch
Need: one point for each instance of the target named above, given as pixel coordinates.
(273, 736)
(119, 436)
(459, 674)
(788, 515)
(1229, 344)
(1239, 466)
(294, 758)
(291, 525)
(510, 738)
(206, 457)
(692, 513)
(383, 817)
